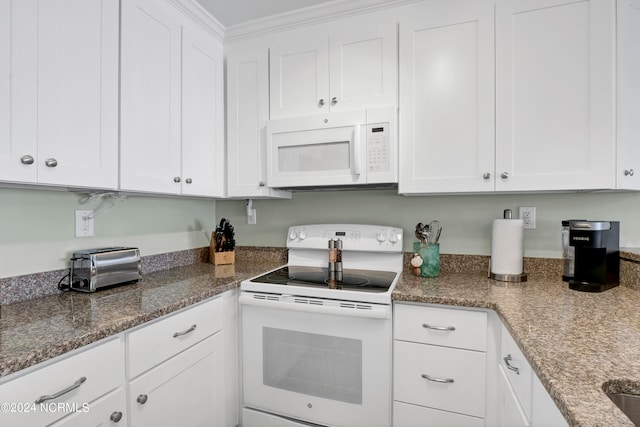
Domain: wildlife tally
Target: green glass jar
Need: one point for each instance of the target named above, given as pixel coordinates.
(430, 254)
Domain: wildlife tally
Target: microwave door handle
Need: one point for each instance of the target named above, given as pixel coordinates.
(356, 150)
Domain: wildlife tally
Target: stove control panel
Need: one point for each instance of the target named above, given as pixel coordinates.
(355, 237)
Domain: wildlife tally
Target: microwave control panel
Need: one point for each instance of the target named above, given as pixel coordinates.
(378, 147)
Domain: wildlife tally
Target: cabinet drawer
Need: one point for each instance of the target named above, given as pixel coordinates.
(405, 415)
(102, 368)
(154, 343)
(522, 380)
(441, 326)
(414, 362)
(109, 410)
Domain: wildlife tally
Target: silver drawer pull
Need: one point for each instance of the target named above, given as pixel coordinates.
(72, 387)
(191, 329)
(507, 359)
(438, 380)
(438, 328)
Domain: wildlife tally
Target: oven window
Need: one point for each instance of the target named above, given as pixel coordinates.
(312, 364)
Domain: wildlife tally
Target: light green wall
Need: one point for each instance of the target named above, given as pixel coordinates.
(37, 227)
(466, 219)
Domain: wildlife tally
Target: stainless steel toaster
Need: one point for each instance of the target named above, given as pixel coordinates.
(93, 269)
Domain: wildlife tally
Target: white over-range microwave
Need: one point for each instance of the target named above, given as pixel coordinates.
(346, 149)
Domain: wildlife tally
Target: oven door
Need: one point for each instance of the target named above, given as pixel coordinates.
(317, 150)
(321, 361)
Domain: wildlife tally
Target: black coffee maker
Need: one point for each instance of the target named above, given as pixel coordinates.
(597, 255)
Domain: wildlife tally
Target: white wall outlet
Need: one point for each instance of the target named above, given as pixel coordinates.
(528, 217)
(84, 223)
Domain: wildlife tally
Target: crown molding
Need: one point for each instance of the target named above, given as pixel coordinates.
(194, 11)
(306, 16)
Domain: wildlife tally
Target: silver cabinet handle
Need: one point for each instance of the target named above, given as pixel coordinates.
(321, 102)
(334, 100)
(51, 163)
(486, 175)
(261, 184)
(438, 328)
(72, 387)
(438, 380)
(504, 175)
(628, 172)
(191, 329)
(116, 416)
(188, 180)
(176, 179)
(508, 359)
(27, 159)
(142, 399)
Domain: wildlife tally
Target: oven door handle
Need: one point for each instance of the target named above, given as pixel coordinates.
(347, 309)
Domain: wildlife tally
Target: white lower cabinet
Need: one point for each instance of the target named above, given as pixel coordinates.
(439, 366)
(106, 411)
(185, 390)
(67, 389)
(523, 400)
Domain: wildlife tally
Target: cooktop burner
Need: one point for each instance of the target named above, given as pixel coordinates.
(352, 279)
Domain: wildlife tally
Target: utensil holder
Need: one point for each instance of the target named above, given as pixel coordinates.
(430, 254)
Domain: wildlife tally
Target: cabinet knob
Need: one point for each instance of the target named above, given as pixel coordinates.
(188, 180)
(486, 175)
(261, 184)
(51, 163)
(142, 399)
(176, 179)
(27, 159)
(504, 175)
(321, 102)
(116, 416)
(628, 172)
(334, 100)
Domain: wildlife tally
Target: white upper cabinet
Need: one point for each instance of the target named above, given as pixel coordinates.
(447, 97)
(555, 94)
(247, 115)
(59, 92)
(628, 92)
(342, 65)
(172, 101)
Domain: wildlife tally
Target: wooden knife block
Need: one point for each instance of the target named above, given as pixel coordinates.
(220, 258)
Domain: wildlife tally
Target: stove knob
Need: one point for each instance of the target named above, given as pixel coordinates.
(292, 235)
(393, 238)
(381, 237)
(302, 235)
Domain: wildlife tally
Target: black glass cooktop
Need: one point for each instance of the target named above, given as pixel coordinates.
(350, 279)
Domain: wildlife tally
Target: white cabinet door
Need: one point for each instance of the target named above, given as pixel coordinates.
(555, 104)
(186, 390)
(18, 91)
(59, 87)
(510, 412)
(299, 74)
(344, 65)
(247, 115)
(363, 58)
(108, 411)
(628, 92)
(150, 92)
(447, 97)
(202, 114)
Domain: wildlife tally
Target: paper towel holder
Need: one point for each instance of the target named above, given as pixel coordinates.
(514, 278)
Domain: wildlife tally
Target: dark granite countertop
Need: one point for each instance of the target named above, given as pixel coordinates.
(577, 343)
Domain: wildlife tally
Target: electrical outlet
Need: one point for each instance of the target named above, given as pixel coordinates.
(528, 217)
(84, 223)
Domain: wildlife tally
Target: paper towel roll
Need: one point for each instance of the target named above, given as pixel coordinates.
(507, 246)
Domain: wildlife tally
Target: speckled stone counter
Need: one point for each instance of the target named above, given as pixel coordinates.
(577, 343)
(39, 329)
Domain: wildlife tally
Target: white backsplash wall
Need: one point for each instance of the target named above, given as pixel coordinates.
(37, 227)
(466, 219)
